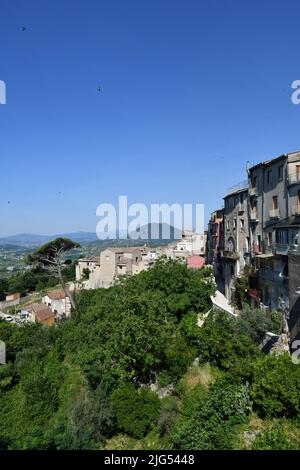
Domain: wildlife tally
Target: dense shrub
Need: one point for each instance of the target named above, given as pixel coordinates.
(208, 420)
(273, 439)
(276, 387)
(137, 411)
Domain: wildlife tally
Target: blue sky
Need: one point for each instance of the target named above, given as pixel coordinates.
(190, 90)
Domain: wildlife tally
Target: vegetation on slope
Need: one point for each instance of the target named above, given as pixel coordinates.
(133, 370)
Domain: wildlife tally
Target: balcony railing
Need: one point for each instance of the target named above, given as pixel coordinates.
(296, 210)
(273, 276)
(274, 214)
(281, 248)
(231, 254)
(294, 178)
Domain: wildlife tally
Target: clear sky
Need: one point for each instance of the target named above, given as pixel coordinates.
(190, 90)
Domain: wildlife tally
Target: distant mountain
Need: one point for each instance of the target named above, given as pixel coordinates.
(164, 233)
(33, 240)
(152, 234)
(158, 233)
(11, 247)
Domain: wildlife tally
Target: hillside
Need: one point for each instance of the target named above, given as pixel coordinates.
(132, 369)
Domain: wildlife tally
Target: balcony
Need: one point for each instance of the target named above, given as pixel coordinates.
(281, 249)
(294, 178)
(257, 248)
(253, 192)
(253, 216)
(296, 210)
(273, 276)
(231, 255)
(274, 214)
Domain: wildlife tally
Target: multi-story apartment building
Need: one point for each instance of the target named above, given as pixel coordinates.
(215, 246)
(262, 229)
(274, 205)
(236, 253)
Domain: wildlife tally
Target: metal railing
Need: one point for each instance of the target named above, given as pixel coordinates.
(237, 187)
(281, 248)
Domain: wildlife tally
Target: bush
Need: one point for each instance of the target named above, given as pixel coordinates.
(273, 439)
(222, 345)
(276, 387)
(168, 415)
(253, 323)
(136, 411)
(208, 420)
(276, 318)
(179, 356)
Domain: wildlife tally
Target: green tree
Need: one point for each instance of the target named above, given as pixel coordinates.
(276, 387)
(137, 411)
(51, 257)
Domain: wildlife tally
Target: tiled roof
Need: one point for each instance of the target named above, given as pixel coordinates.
(41, 311)
(56, 295)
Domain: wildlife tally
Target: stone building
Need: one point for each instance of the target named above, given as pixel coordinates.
(236, 253)
(274, 214)
(111, 264)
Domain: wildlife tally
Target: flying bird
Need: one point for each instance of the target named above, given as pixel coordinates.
(23, 28)
(99, 88)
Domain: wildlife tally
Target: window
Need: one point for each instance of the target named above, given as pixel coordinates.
(227, 224)
(270, 237)
(269, 177)
(259, 241)
(281, 236)
(280, 172)
(242, 222)
(230, 244)
(234, 223)
(275, 202)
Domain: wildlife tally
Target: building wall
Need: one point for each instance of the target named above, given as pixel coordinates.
(236, 238)
(294, 294)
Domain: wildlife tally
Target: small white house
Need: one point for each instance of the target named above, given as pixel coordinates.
(58, 302)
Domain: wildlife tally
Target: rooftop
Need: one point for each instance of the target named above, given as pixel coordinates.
(41, 311)
(56, 295)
